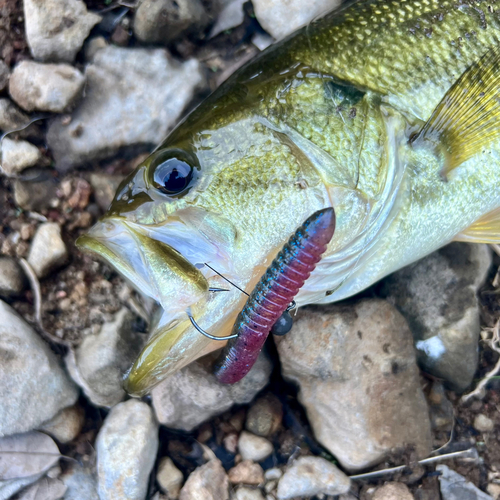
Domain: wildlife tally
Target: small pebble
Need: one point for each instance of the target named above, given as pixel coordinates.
(309, 476)
(273, 473)
(169, 478)
(254, 448)
(245, 493)
(36, 195)
(246, 472)
(12, 279)
(48, 250)
(393, 491)
(483, 424)
(11, 117)
(494, 490)
(18, 155)
(45, 87)
(264, 416)
(208, 482)
(270, 486)
(230, 442)
(66, 425)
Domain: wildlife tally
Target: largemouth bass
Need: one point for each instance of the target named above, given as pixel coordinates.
(386, 110)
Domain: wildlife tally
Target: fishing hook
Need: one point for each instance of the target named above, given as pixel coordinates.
(203, 332)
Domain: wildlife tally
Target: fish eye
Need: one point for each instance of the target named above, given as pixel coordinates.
(172, 171)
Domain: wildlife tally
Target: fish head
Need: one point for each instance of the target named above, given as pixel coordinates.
(220, 196)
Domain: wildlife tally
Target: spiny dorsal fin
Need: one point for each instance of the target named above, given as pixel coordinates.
(484, 230)
(468, 117)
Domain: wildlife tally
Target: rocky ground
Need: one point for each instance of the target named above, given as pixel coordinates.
(379, 382)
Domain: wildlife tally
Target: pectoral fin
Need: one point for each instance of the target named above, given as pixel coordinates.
(468, 117)
(484, 230)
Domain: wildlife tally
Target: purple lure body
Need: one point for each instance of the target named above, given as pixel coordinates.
(273, 293)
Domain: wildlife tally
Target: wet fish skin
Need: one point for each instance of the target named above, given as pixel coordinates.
(323, 118)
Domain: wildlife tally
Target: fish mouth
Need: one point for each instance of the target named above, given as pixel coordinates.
(166, 262)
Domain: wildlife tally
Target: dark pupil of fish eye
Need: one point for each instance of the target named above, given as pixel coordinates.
(173, 175)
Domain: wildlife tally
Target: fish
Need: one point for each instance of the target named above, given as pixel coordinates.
(273, 294)
(387, 111)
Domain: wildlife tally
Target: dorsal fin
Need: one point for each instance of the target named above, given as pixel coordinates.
(468, 117)
(484, 230)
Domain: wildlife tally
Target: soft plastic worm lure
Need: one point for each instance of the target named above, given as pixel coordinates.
(273, 294)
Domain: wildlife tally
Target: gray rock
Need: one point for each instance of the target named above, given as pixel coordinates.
(36, 194)
(208, 482)
(99, 362)
(358, 380)
(440, 408)
(104, 187)
(264, 416)
(11, 117)
(66, 425)
(46, 488)
(437, 295)
(4, 75)
(309, 476)
(456, 487)
(252, 447)
(56, 29)
(193, 395)
(246, 472)
(33, 387)
(162, 21)
(126, 451)
(132, 97)
(169, 478)
(393, 491)
(281, 18)
(230, 16)
(45, 87)
(18, 155)
(245, 493)
(482, 423)
(47, 251)
(12, 279)
(81, 484)
(11, 486)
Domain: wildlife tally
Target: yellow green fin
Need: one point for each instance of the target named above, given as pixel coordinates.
(484, 230)
(468, 117)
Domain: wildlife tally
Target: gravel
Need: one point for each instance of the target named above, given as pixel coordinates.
(47, 251)
(18, 155)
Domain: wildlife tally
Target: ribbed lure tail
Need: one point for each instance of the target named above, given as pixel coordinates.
(273, 293)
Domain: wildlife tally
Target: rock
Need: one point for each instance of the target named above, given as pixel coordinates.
(12, 279)
(208, 482)
(393, 491)
(169, 477)
(273, 473)
(33, 387)
(18, 155)
(4, 75)
(254, 448)
(229, 17)
(47, 251)
(193, 395)
(246, 472)
(11, 486)
(126, 451)
(132, 97)
(11, 117)
(483, 424)
(494, 490)
(104, 187)
(81, 484)
(440, 408)
(93, 45)
(437, 295)
(281, 18)
(36, 194)
(56, 29)
(99, 362)
(309, 476)
(45, 87)
(358, 380)
(162, 21)
(456, 487)
(245, 493)
(66, 425)
(264, 416)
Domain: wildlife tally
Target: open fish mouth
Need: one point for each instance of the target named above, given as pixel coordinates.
(143, 255)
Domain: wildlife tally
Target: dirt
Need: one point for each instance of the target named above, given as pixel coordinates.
(85, 293)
